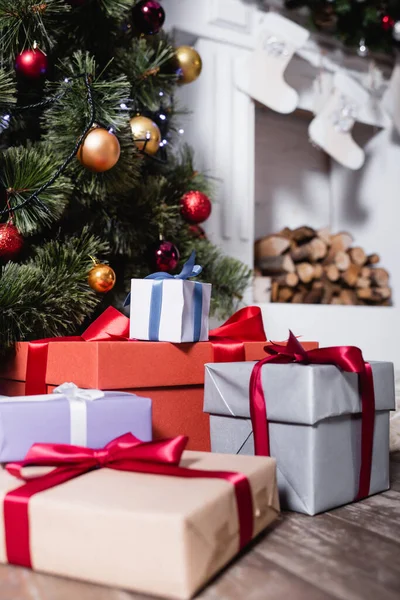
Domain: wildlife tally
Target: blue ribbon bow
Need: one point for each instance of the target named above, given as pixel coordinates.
(190, 269)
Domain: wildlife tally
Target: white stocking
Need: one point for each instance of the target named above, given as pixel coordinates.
(331, 128)
(262, 76)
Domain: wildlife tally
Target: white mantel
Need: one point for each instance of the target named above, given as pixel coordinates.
(250, 152)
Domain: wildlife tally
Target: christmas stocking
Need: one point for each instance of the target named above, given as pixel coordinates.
(331, 128)
(262, 76)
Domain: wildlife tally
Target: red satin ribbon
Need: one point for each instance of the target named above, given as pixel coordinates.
(246, 325)
(347, 358)
(111, 325)
(125, 453)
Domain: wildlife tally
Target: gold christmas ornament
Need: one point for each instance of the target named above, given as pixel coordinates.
(101, 278)
(145, 130)
(189, 64)
(99, 151)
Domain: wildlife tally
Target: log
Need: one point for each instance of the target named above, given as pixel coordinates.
(373, 259)
(285, 294)
(325, 235)
(366, 272)
(286, 232)
(358, 256)
(332, 272)
(371, 294)
(319, 249)
(303, 234)
(314, 296)
(271, 265)
(348, 297)
(305, 271)
(342, 260)
(318, 271)
(271, 245)
(380, 277)
(288, 279)
(300, 253)
(363, 282)
(341, 241)
(274, 291)
(328, 292)
(384, 292)
(350, 276)
(336, 300)
(298, 297)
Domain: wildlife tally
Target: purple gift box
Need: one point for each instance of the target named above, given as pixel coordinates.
(71, 416)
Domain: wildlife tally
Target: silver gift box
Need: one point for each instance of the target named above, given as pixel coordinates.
(314, 415)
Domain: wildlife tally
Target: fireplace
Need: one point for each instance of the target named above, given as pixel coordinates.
(268, 176)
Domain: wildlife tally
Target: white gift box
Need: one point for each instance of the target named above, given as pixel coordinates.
(169, 308)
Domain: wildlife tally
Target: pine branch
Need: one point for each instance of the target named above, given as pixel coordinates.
(22, 22)
(65, 121)
(22, 172)
(49, 295)
(116, 8)
(143, 64)
(7, 90)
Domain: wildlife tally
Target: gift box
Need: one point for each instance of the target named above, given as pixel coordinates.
(170, 308)
(172, 375)
(140, 531)
(314, 426)
(71, 416)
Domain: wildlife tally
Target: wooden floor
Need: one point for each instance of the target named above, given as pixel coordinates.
(352, 553)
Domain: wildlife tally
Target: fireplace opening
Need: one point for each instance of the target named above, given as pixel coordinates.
(308, 247)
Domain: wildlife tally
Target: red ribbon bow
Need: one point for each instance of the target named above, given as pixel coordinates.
(111, 325)
(125, 453)
(346, 358)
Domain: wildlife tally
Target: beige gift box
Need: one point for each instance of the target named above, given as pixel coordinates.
(153, 534)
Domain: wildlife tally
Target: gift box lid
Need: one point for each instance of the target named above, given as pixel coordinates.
(125, 365)
(294, 393)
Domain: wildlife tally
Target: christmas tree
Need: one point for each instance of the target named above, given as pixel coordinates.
(89, 170)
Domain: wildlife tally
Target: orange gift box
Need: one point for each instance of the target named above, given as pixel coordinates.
(172, 375)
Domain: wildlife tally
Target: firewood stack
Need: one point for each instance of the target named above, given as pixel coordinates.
(315, 267)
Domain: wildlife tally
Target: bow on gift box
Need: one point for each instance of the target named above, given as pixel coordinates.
(346, 358)
(189, 270)
(125, 453)
(228, 340)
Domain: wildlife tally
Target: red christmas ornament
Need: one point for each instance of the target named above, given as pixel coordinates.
(197, 232)
(166, 256)
(387, 22)
(31, 63)
(195, 207)
(148, 16)
(11, 241)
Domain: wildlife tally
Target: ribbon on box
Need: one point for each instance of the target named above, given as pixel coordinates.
(77, 399)
(346, 358)
(110, 325)
(190, 269)
(228, 340)
(125, 453)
